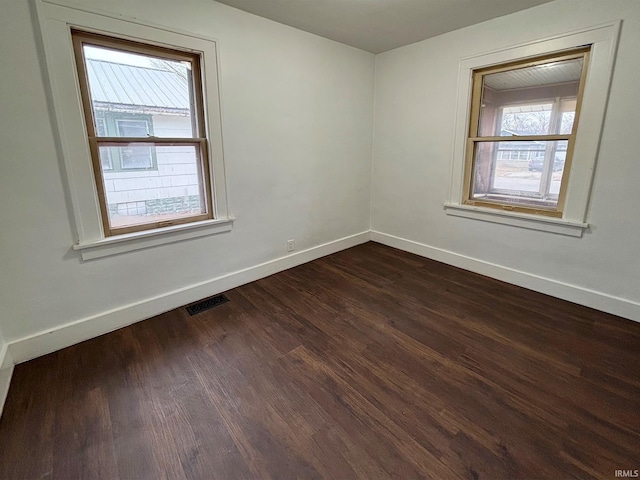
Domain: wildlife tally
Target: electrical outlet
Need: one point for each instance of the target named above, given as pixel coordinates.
(291, 245)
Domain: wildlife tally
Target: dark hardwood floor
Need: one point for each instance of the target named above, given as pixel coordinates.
(371, 363)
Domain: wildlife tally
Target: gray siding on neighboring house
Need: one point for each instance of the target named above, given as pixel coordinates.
(159, 99)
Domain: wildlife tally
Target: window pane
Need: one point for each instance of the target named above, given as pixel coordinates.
(526, 119)
(124, 84)
(568, 115)
(135, 155)
(521, 173)
(132, 128)
(537, 100)
(171, 191)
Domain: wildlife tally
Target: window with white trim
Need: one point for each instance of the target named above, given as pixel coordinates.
(524, 117)
(170, 185)
(528, 126)
(138, 112)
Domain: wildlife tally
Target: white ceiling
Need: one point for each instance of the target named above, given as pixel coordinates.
(380, 25)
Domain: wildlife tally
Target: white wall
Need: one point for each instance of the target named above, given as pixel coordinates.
(415, 105)
(297, 126)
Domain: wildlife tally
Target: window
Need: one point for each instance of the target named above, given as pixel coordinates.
(135, 157)
(125, 87)
(528, 125)
(137, 109)
(112, 124)
(524, 117)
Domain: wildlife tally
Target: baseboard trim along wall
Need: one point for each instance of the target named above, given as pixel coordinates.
(572, 293)
(6, 370)
(78, 331)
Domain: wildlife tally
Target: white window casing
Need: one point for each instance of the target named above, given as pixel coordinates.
(603, 40)
(55, 23)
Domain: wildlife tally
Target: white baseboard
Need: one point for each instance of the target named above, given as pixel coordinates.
(572, 293)
(48, 341)
(6, 371)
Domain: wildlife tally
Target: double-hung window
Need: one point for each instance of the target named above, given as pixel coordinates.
(138, 118)
(528, 124)
(143, 111)
(137, 110)
(524, 118)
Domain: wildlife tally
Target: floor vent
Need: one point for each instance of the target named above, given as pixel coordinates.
(206, 304)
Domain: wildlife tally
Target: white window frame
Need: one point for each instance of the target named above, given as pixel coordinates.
(603, 40)
(55, 23)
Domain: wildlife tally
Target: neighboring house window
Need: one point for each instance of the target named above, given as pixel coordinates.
(127, 87)
(119, 124)
(524, 118)
(527, 130)
(135, 157)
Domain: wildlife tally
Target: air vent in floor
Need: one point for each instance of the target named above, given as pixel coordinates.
(206, 304)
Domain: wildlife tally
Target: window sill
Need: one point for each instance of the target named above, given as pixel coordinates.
(522, 220)
(151, 238)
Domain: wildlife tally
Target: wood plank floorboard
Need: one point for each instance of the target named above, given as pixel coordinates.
(371, 363)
